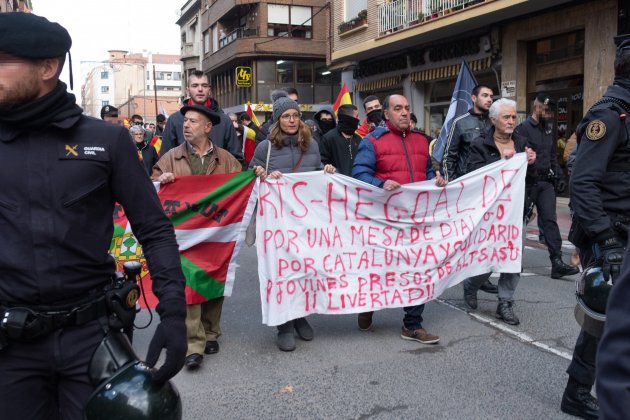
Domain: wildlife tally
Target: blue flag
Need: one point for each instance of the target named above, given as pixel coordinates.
(460, 104)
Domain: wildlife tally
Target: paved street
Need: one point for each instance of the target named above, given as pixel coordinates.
(481, 369)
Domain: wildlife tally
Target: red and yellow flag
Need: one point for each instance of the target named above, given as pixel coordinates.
(249, 143)
(251, 114)
(343, 98)
(156, 142)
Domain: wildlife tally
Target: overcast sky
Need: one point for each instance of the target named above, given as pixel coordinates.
(99, 26)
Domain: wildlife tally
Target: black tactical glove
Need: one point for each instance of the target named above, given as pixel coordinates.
(612, 249)
(561, 185)
(171, 335)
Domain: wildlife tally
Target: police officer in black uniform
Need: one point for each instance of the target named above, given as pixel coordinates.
(600, 197)
(542, 178)
(60, 175)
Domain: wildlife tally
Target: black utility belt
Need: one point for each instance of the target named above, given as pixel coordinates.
(23, 323)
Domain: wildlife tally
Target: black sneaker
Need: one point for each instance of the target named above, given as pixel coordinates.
(506, 313)
(470, 298)
(488, 287)
(303, 329)
(578, 401)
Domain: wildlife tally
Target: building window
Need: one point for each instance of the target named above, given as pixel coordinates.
(351, 8)
(104, 89)
(206, 42)
(215, 38)
(294, 21)
(177, 75)
(104, 103)
(104, 75)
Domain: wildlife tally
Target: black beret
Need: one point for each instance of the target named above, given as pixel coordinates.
(213, 116)
(27, 35)
(544, 99)
(109, 110)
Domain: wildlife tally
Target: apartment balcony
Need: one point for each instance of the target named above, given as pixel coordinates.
(236, 34)
(253, 47)
(190, 50)
(402, 24)
(403, 14)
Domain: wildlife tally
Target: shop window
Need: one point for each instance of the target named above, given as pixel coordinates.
(284, 72)
(304, 72)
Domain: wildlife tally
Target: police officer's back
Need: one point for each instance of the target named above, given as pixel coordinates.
(600, 196)
(60, 175)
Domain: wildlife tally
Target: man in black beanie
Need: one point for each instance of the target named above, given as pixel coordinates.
(60, 175)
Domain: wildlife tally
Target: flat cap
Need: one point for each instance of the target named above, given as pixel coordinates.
(109, 110)
(27, 35)
(213, 116)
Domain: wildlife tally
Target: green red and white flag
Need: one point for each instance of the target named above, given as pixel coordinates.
(210, 214)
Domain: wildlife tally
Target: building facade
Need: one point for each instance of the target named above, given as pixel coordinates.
(145, 84)
(190, 24)
(519, 48)
(15, 6)
(250, 48)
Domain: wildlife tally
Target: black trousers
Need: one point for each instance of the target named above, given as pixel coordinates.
(582, 366)
(47, 379)
(545, 198)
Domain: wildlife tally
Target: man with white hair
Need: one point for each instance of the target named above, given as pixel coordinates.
(499, 142)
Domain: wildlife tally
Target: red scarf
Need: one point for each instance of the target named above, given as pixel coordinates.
(207, 104)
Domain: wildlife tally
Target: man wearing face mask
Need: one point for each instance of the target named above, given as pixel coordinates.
(541, 177)
(339, 146)
(373, 111)
(324, 122)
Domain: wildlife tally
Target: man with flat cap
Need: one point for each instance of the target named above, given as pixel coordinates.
(60, 175)
(224, 134)
(109, 114)
(542, 178)
(600, 198)
(198, 155)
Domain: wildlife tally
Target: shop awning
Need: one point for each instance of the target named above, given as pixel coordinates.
(449, 71)
(379, 84)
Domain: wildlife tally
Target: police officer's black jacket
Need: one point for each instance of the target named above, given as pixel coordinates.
(483, 151)
(461, 135)
(540, 139)
(600, 181)
(58, 187)
(339, 151)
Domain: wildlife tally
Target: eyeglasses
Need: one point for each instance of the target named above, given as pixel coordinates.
(138, 123)
(288, 117)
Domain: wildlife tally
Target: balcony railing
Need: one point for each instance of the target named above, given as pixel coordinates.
(235, 34)
(401, 14)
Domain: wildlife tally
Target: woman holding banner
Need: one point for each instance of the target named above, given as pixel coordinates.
(289, 148)
(495, 144)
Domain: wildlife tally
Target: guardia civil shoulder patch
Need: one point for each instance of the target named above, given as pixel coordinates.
(595, 130)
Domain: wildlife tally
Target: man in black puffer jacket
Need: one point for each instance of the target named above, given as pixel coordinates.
(463, 131)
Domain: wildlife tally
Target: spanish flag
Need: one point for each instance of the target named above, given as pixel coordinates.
(156, 142)
(249, 143)
(251, 114)
(343, 98)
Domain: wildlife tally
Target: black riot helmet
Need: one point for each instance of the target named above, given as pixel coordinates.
(592, 295)
(126, 389)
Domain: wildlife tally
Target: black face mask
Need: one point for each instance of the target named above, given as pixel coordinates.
(347, 124)
(326, 126)
(375, 116)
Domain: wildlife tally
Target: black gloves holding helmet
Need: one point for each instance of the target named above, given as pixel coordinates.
(612, 249)
(170, 334)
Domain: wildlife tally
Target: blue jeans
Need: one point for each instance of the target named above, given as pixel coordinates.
(413, 317)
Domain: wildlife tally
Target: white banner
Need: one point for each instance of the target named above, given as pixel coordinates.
(331, 244)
